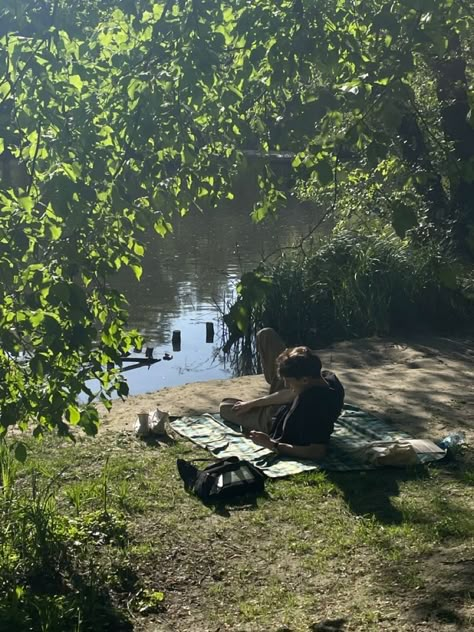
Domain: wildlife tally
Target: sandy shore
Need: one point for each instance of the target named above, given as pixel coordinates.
(424, 385)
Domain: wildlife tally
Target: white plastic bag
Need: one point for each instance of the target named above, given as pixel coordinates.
(402, 452)
(151, 423)
(395, 453)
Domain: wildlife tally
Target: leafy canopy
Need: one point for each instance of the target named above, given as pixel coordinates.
(115, 116)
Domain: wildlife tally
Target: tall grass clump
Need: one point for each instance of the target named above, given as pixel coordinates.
(49, 575)
(357, 284)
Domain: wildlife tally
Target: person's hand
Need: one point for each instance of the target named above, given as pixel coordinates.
(243, 407)
(262, 439)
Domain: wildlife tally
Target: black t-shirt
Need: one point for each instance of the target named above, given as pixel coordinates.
(310, 417)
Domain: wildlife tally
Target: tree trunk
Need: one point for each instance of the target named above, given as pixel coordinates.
(416, 153)
(452, 91)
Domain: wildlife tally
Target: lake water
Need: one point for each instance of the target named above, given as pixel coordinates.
(189, 276)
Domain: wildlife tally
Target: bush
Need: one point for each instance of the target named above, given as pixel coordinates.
(359, 284)
(49, 575)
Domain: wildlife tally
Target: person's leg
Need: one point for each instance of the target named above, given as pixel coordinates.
(269, 347)
(255, 419)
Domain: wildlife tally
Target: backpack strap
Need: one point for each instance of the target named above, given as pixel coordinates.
(214, 460)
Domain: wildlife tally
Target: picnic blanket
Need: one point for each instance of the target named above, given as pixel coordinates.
(354, 431)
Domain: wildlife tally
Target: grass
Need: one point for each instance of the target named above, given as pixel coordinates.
(101, 536)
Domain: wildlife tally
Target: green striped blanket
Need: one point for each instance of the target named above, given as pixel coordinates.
(354, 430)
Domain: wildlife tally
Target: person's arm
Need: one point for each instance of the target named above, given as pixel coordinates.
(285, 396)
(312, 451)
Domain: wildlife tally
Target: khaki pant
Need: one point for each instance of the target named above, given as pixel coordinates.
(269, 347)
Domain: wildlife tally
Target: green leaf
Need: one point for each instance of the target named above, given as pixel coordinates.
(260, 211)
(137, 270)
(21, 452)
(296, 161)
(239, 315)
(138, 249)
(36, 366)
(253, 287)
(163, 227)
(324, 172)
(134, 85)
(74, 414)
(89, 420)
(55, 231)
(403, 218)
(76, 81)
(122, 389)
(26, 203)
(72, 171)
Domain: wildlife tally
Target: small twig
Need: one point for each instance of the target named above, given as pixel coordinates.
(33, 164)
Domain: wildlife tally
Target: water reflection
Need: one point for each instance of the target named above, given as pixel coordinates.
(191, 274)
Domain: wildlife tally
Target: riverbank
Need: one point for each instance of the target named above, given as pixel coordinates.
(423, 385)
(108, 529)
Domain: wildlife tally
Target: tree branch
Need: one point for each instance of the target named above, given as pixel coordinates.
(35, 156)
(22, 72)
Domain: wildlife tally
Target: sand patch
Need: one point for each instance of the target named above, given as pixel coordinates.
(423, 385)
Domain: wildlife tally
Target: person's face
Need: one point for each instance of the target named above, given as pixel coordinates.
(296, 384)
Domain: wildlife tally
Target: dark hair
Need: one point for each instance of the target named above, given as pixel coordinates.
(299, 362)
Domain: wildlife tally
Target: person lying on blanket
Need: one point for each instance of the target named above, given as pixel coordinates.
(297, 417)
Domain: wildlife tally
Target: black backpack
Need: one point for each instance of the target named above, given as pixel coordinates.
(222, 480)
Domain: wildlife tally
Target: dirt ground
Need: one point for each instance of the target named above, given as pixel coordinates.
(393, 576)
(423, 385)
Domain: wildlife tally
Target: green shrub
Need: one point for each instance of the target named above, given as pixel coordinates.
(50, 578)
(357, 284)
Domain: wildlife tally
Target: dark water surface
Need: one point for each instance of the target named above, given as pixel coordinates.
(189, 276)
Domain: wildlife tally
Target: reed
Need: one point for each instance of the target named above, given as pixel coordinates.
(358, 284)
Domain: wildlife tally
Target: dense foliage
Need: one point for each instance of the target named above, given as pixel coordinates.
(356, 283)
(115, 116)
